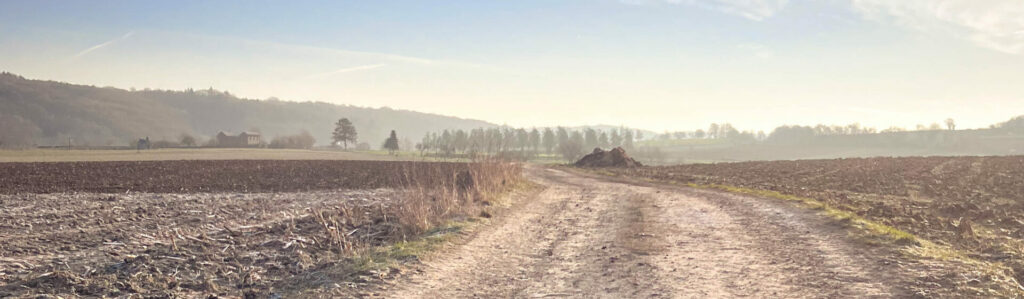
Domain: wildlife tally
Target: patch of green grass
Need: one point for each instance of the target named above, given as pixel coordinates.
(871, 227)
(392, 255)
(914, 246)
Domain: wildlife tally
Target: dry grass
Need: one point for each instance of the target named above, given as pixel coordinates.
(468, 193)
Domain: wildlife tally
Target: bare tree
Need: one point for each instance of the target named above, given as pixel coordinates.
(187, 140)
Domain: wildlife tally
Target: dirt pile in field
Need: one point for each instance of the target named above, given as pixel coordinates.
(616, 157)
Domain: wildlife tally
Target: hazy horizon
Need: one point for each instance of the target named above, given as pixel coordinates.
(655, 65)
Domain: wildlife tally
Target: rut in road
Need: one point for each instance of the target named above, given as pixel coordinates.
(588, 237)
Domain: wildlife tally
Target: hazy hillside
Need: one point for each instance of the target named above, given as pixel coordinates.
(804, 142)
(48, 113)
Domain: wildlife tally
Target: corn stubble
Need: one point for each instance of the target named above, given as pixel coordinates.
(232, 242)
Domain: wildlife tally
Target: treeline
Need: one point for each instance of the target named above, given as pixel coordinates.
(801, 134)
(523, 143)
(786, 132)
(303, 140)
(39, 113)
(715, 131)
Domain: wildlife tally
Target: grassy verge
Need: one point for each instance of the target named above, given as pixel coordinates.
(395, 255)
(370, 265)
(427, 243)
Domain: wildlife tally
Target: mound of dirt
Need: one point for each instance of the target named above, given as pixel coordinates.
(614, 158)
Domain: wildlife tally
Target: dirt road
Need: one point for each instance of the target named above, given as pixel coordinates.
(586, 237)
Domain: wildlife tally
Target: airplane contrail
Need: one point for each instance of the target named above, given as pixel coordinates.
(104, 44)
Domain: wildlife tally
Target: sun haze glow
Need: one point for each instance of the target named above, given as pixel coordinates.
(653, 64)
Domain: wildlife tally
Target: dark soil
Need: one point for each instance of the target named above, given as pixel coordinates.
(220, 176)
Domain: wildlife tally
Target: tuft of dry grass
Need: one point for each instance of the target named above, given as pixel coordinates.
(465, 194)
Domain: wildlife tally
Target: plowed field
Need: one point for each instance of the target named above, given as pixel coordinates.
(220, 175)
(247, 228)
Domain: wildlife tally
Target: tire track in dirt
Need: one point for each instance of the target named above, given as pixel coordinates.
(589, 238)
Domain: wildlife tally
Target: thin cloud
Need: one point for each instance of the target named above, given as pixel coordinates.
(104, 44)
(993, 24)
(756, 10)
(387, 57)
(345, 70)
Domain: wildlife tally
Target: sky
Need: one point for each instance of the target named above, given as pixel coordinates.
(661, 65)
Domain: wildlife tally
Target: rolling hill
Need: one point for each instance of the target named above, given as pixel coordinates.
(37, 112)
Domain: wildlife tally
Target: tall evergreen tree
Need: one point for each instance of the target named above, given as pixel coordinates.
(616, 138)
(548, 140)
(391, 144)
(534, 139)
(590, 138)
(627, 140)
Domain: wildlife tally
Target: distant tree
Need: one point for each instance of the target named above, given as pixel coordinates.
(187, 140)
(534, 140)
(950, 124)
(627, 139)
(713, 131)
(424, 144)
(602, 140)
(476, 140)
(639, 135)
(573, 147)
(935, 127)
(548, 140)
(699, 134)
(1014, 125)
(791, 135)
(445, 143)
(853, 129)
(303, 140)
(590, 138)
(726, 131)
(894, 129)
(563, 135)
(493, 137)
(615, 138)
(391, 144)
(461, 141)
(522, 139)
(508, 139)
(344, 132)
